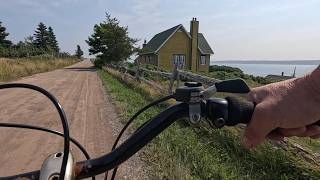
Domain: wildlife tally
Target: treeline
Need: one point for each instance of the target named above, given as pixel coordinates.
(42, 43)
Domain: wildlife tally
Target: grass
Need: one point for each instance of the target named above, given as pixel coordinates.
(312, 144)
(11, 69)
(182, 152)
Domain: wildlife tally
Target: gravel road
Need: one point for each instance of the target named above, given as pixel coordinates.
(92, 119)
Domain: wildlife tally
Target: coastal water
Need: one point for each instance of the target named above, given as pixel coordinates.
(266, 69)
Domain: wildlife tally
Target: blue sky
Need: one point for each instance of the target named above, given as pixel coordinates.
(235, 29)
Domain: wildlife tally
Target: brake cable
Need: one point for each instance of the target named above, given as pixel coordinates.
(129, 122)
(193, 93)
(38, 128)
(62, 115)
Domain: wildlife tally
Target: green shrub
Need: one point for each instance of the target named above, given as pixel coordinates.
(228, 69)
(226, 72)
(98, 63)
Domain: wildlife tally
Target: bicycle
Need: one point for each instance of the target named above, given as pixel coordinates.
(194, 104)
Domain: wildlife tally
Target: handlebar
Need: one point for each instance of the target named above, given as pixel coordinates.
(219, 112)
(239, 111)
(139, 139)
(194, 103)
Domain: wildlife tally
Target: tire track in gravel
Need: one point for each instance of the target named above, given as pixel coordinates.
(81, 93)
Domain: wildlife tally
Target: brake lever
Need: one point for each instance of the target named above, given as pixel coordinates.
(232, 86)
(228, 86)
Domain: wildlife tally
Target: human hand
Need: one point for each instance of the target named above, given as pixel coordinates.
(284, 109)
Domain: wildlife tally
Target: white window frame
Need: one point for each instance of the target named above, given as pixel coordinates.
(202, 59)
(179, 59)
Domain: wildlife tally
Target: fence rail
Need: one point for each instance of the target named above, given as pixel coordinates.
(138, 72)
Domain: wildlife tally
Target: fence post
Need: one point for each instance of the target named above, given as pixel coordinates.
(125, 73)
(173, 78)
(178, 78)
(137, 74)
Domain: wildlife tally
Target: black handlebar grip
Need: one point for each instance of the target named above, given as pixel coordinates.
(239, 111)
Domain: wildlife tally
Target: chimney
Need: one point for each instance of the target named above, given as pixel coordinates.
(194, 29)
(144, 43)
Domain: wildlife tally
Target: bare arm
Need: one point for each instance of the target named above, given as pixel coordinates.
(284, 109)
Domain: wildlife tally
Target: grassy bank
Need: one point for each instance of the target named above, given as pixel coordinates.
(204, 153)
(11, 69)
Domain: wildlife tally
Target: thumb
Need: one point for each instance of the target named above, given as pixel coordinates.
(258, 129)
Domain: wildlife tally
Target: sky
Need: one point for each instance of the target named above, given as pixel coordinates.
(235, 29)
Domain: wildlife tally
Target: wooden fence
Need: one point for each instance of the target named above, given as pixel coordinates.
(139, 73)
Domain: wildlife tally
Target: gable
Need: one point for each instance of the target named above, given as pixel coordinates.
(203, 45)
(177, 42)
(160, 39)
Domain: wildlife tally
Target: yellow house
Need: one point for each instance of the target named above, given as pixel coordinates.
(176, 46)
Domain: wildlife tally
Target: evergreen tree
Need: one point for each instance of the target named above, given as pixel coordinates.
(110, 41)
(3, 35)
(52, 41)
(29, 40)
(41, 37)
(32, 49)
(79, 52)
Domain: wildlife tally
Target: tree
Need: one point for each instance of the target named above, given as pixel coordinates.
(3, 35)
(29, 40)
(41, 36)
(32, 49)
(52, 41)
(79, 52)
(110, 42)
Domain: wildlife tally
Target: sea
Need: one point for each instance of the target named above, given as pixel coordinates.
(258, 69)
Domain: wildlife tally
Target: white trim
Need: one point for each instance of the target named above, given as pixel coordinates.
(188, 34)
(180, 26)
(201, 60)
(168, 38)
(147, 53)
(200, 50)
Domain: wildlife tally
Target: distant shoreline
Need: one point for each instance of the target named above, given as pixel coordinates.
(291, 62)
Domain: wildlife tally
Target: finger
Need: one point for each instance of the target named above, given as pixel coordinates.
(257, 95)
(276, 136)
(292, 131)
(311, 130)
(252, 96)
(258, 128)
